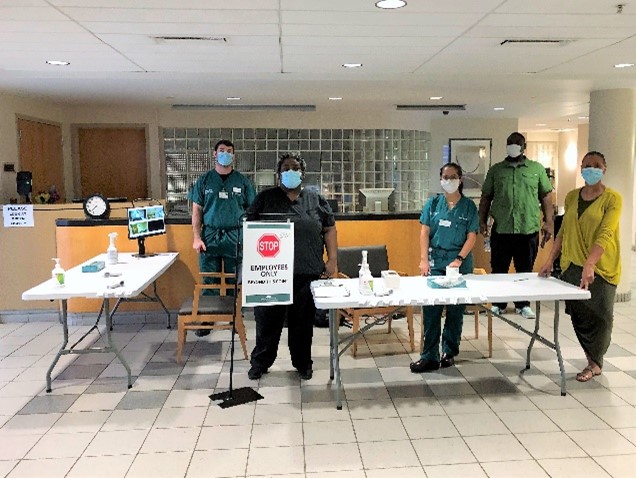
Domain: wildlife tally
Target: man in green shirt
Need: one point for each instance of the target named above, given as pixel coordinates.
(220, 198)
(514, 193)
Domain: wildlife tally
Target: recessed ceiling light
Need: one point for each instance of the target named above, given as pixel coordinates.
(541, 124)
(390, 4)
(233, 98)
(583, 117)
(58, 62)
(623, 65)
(335, 98)
(352, 65)
(436, 97)
(499, 108)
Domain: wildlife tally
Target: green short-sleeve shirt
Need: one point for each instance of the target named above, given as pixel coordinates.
(516, 192)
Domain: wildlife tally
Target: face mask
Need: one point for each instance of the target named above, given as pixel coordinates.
(592, 176)
(513, 150)
(224, 158)
(450, 185)
(291, 179)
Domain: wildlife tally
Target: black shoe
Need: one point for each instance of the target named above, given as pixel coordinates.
(321, 323)
(202, 332)
(307, 374)
(447, 361)
(254, 373)
(422, 366)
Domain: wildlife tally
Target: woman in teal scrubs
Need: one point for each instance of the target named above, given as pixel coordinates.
(449, 229)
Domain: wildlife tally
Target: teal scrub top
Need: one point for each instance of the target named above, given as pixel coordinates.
(449, 228)
(223, 202)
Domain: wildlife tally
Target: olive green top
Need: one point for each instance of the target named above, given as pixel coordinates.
(516, 192)
(598, 224)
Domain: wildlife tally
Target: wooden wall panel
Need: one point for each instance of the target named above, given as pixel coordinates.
(113, 162)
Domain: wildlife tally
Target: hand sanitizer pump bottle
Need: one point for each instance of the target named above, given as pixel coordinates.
(365, 278)
(111, 252)
(58, 273)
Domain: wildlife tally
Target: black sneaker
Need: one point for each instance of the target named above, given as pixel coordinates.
(447, 361)
(422, 366)
(307, 374)
(254, 373)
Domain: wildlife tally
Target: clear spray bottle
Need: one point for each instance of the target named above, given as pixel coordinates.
(365, 278)
(111, 252)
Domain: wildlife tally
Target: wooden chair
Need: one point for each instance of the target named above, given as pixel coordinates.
(475, 309)
(207, 312)
(349, 259)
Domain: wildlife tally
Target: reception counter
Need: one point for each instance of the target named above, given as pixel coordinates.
(75, 240)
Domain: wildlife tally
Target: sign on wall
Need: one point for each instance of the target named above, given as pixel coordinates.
(18, 215)
(268, 263)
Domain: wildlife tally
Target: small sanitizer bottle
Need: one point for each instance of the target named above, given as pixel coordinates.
(365, 279)
(111, 252)
(58, 273)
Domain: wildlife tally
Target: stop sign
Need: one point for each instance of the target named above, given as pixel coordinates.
(268, 245)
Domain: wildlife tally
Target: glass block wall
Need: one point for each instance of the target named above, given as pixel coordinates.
(339, 161)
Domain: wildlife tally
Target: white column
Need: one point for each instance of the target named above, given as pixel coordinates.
(613, 133)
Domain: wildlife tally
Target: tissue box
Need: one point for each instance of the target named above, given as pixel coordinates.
(94, 266)
(391, 279)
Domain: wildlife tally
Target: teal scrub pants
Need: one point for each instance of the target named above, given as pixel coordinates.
(220, 254)
(452, 334)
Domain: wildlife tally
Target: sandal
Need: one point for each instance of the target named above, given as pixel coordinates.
(587, 374)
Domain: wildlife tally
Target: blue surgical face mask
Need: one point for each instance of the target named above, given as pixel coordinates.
(224, 158)
(592, 176)
(291, 179)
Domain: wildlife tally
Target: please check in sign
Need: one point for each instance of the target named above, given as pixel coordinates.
(268, 263)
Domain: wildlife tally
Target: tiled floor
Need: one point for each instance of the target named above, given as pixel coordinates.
(481, 418)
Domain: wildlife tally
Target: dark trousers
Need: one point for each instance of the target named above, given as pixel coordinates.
(522, 249)
(300, 328)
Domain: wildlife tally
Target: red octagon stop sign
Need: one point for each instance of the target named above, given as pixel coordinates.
(268, 245)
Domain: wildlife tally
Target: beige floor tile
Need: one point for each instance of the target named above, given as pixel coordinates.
(218, 463)
(388, 454)
(187, 398)
(80, 422)
(280, 413)
(224, 437)
(550, 445)
(338, 457)
(123, 442)
(131, 419)
(463, 470)
(434, 426)
(96, 401)
(16, 447)
(276, 461)
(277, 434)
(171, 440)
(383, 408)
(60, 445)
(406, 472)
(602, 442)
(181, 417)
(576, 419)
(417, 407)
(37, 424)
(49, 468)
(440, 451)
(324, 433)
(496, 448)
(514, 469)
(573, 468)
(160, 465)
(470, 424)
(621, 466)
(379, 429)
(101, 466)
(324, 412)
(243, 415)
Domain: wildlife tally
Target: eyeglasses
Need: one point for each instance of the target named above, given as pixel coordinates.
(450, 177)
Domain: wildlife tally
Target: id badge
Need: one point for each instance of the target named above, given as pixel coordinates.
(223, 195)
(236, 190)
(445, 223)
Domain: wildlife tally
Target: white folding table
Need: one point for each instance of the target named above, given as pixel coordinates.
(480, 289)
(127, 279)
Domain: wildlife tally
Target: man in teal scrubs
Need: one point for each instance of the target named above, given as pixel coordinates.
(514, 193)
(220, 198)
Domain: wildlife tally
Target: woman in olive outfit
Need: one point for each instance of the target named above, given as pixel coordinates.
(589, 245)
(449, 229)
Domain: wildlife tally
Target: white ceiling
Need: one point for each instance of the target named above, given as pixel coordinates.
(291, 51)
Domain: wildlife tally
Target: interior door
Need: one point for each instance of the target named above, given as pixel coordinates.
(113, 162)
(40, 151)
